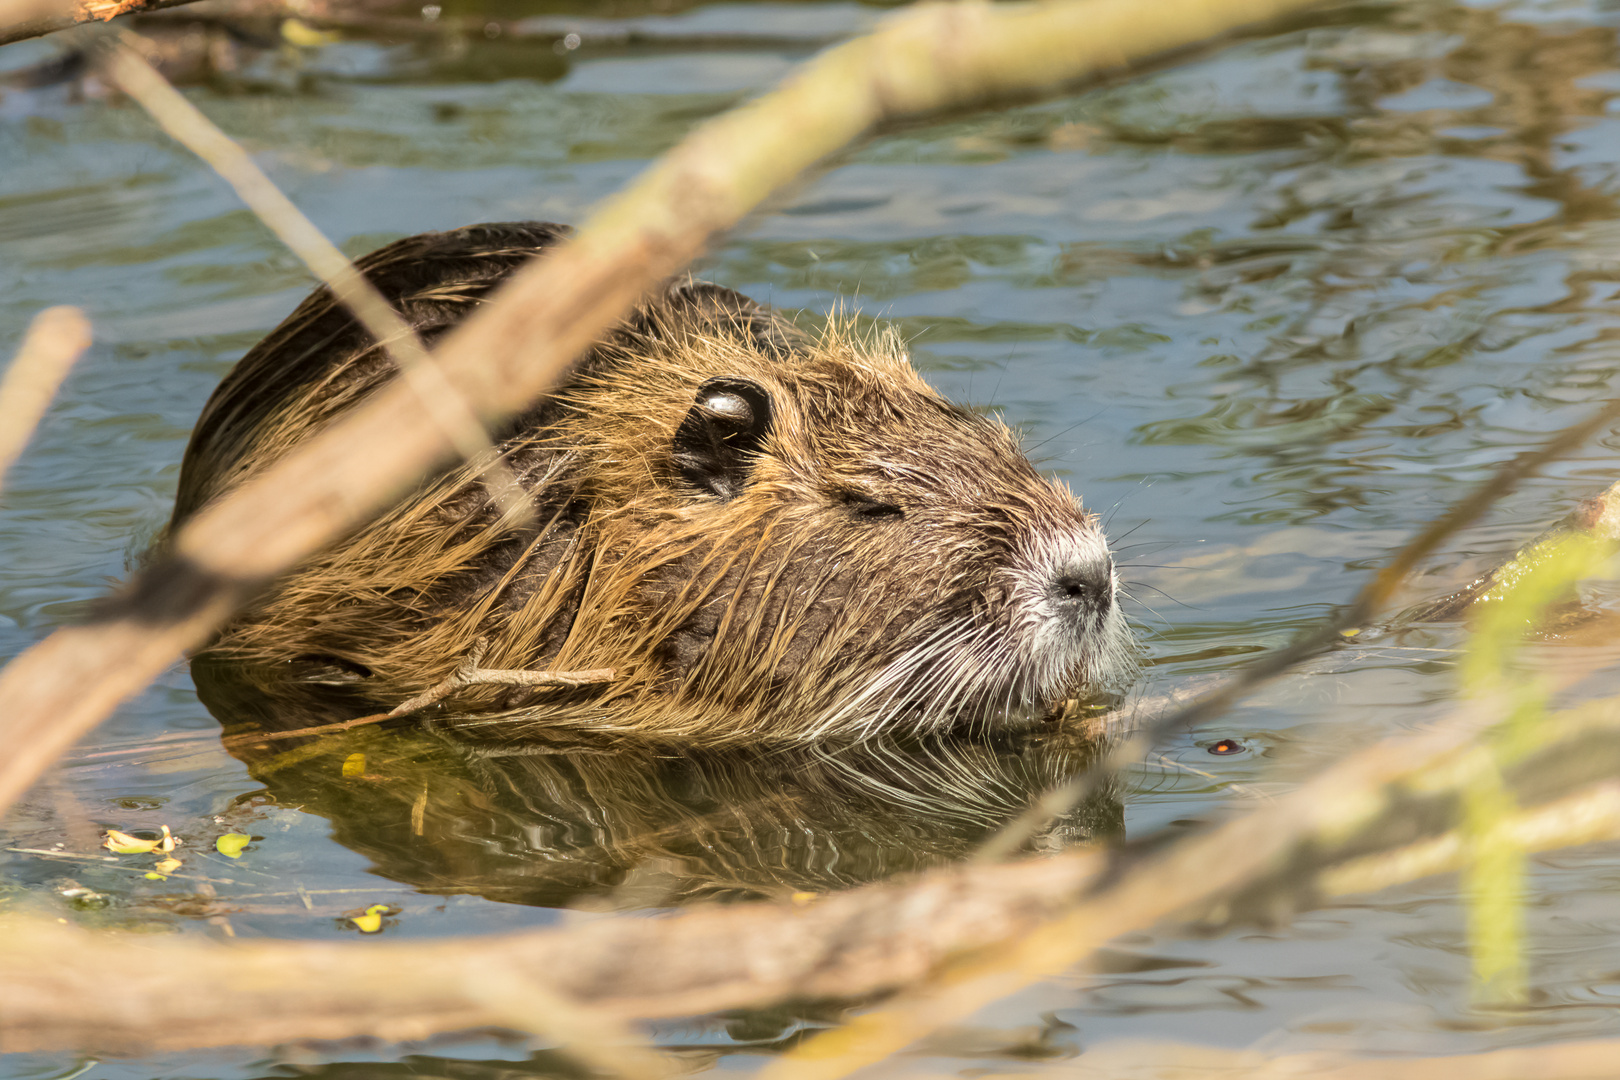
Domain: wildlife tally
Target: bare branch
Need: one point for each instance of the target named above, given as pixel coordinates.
(1586, 1060)
(56, 339)
(975, 932)
(186, 124)
(69, 988)
(1583, 818)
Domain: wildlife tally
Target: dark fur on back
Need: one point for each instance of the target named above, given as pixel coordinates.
(879, 558)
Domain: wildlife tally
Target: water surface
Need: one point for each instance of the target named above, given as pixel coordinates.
(1269, 309)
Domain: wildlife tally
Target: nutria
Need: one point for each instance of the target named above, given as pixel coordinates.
(736, 531)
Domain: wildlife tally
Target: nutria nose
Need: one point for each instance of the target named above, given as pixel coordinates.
(1084, 586)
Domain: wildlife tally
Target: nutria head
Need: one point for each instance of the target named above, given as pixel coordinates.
(822, 544)
(764, 536)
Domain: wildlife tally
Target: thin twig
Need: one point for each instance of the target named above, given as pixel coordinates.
(1363, 607)
(470, 673)
(467, 674)
(1583, 818)
(186, 124)
(253, 738)
(56, 339)
(1592, 1059)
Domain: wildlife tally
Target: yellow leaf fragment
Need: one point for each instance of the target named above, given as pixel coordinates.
(305, 36)
(354, 765)
(371, 921)
(167, 866)
(802, 898)
(231, 844)
(121, 843)
(168, 842)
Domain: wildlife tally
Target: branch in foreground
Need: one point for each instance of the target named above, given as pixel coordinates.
(1598, 517)
(67, 988)
(1014, 923)
(56, 339)
(1581, 818)
(1334, 805)
(1587, 1060)
(186, 124)
(519, 345)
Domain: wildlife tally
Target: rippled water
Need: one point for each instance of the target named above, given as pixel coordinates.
(1269, 309)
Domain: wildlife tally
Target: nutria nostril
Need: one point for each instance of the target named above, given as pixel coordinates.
(739, 532)
(1087, 586)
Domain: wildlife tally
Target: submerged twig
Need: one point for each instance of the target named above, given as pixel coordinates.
(1596, 518)
(56, 339)
(469, 673)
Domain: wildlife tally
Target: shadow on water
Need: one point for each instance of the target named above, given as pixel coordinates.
(568, 819)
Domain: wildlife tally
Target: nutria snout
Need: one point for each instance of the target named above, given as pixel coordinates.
(763, 535)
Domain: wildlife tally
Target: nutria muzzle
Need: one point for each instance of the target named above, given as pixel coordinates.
(760, 534)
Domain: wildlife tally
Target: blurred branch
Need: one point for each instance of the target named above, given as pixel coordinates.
(56, 339)
(975, 933)
(515, 348)
(1587, 1060)
(1597, 518)
(1195, 877)
(594, 1037)
(1583, 818)
(186, 124)
(63, 987)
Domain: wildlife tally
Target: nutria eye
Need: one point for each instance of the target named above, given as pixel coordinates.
(715, 445)
(863, 505)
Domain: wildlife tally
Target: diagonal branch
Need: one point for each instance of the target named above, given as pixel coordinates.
(186, 124)
(506, 355)
(971, 933)
(56, 339)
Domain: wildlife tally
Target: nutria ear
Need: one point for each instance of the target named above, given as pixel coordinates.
(715, 444)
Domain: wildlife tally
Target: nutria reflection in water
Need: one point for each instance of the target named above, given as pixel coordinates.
(845, 618)
(766, 537)
(581, 819)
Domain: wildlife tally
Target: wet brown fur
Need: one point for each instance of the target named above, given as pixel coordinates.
(877, 517)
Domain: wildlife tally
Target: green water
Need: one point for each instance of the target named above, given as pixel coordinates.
(1269, 310)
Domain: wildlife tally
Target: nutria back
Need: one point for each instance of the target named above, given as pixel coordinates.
(763, 535)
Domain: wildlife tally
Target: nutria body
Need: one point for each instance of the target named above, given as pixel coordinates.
(763, 535)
